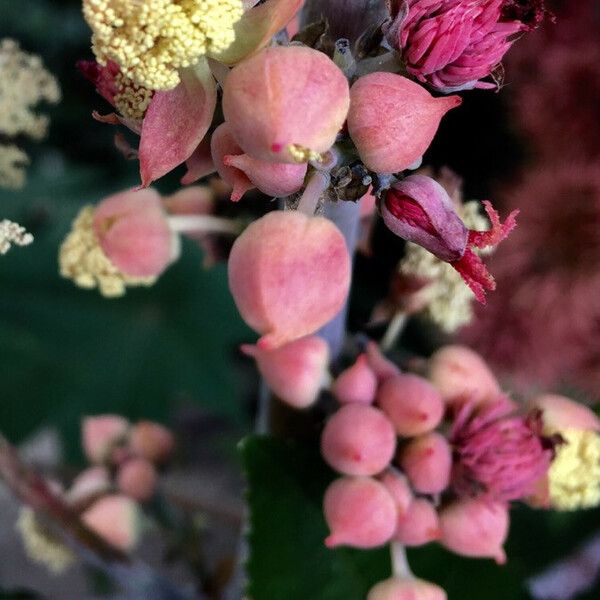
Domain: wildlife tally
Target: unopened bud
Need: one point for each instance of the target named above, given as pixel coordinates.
(406, 589)
(151, 441)
(357, 384)
(418, 525)
(137, 479)
(101, 434)
(399, 488)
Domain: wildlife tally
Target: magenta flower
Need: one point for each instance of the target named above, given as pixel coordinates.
(453, 44)
(419, 210)
(498, 455)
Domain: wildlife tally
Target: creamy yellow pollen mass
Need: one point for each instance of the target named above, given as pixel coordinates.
(574, 475)
(81, 259)
(151, 39)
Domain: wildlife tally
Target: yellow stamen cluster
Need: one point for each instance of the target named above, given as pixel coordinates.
(301, 154)
(448, 301)
(574, 475)
(24, 83)
(151, 39)
(12, 233)
(81, 259)
(41, 546)
(131, 100)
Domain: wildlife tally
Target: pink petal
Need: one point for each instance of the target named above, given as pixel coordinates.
(199, 164)
(176, 121)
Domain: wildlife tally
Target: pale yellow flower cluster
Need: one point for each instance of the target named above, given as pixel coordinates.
(574, 475)
(151, 39)
(131, 100)
(12, 233)
(81, 259)
(24, 83)
(448, 301)
(41, 546)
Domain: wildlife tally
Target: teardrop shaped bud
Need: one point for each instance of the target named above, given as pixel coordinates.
(151, 441)
(427, 461)
(411, 403)
(358, 440)
(133, 232)
(137, 479)
(295, 372)
(560, 413)
(357, 384)
(393, 120)
(475, 527)
(244, 172)
(359, 512)
(286, 103)
(419, 209)
(418, 525)
(406, 589)
(115, 518)
(459, 374)
(289, 275)
(397, 485)
(100, 434)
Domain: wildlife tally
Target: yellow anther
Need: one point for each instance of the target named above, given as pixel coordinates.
(81, 259)
(152, 39)
(301, 154)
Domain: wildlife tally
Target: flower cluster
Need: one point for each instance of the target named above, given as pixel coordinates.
(24, 83)
(12, 233)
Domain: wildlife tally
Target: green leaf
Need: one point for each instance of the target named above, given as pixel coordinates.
(288, 560)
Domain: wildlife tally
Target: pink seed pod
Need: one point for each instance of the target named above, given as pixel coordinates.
(284, 100)
(358, 440)
(357, 384)
(459, 373)
(88, 485)
(244, 172)
(151, 441)
(427, 461)
(560, 413)
(399, 488)
(115, 518)
(475, 527)
(406, 589)
(411, 403)
(419, 525)
(296, 371)
(359, 512)
(133, 231)
(289, 275)
(101, 434)
(382, 366)
(137, 479)
(392, 120)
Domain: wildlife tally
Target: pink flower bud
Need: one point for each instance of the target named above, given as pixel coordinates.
(359, 512)
(116, 519)
(382, 367)
(476, 528)
(101, 434)
(459, 373)
(296, 371)
(88, 485)
(418, 525)
(454, 44)
(418, 209)
(244, 173)
(357, 384)
(133, 231)
(151, 441)
(137, 479)
(560, 413)
(285, 98)
(411, 403)
(392, 120)
(399, 488)
(358, 440)
(406, 589)
(427, 461)
(289, 275)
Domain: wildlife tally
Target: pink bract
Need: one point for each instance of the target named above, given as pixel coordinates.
(392, 120)
(289, 275)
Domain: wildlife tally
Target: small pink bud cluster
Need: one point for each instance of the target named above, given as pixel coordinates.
(127, 454)
(424, 460)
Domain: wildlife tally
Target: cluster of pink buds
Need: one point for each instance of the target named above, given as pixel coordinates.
(441, 458)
